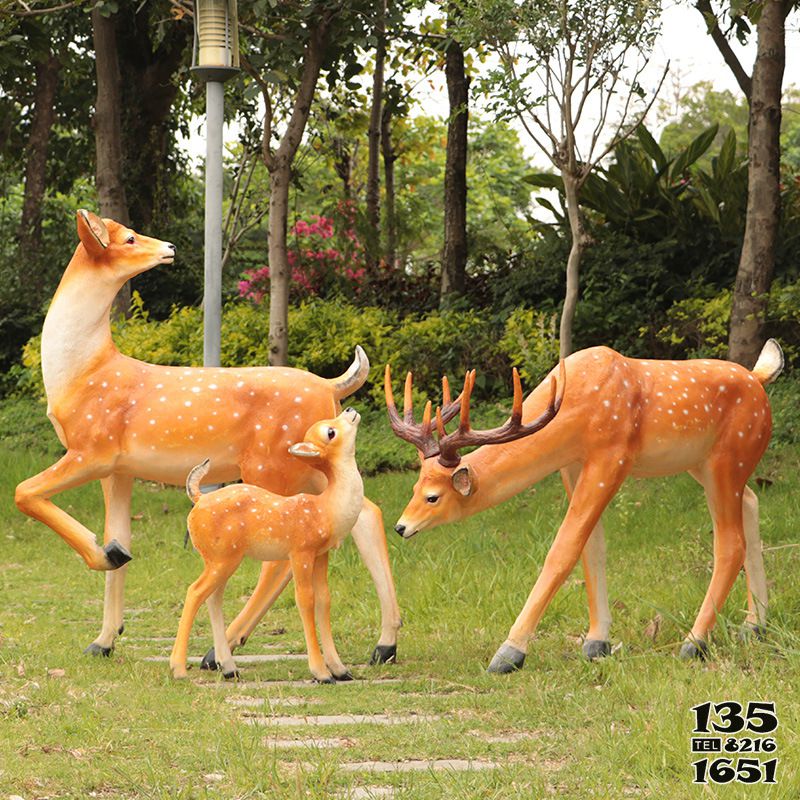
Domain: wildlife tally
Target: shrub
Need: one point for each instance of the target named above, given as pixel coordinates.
(530, 342)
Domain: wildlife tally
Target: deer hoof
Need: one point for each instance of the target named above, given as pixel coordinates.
(694, 648)
(506, 659)
(751, 630)
(116, 555)
(343, 677)
(328, 680)
(384, 654)
(596, 648)
(95, 649)
(210, 661)
(233, 675)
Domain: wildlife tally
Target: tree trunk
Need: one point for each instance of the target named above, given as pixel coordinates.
(454, 256)
(374, 137)
(279, 274)
(108, 135)
(389, 157)
(30, 227)
(578, 236)
(757, 261)
(279, 165)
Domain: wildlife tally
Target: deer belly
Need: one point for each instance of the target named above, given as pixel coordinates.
(268, 550)
(669, 457)
(170, 466)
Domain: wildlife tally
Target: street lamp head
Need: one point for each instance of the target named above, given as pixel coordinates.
(216, 40)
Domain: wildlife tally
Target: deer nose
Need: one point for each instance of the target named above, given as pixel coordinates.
(172, 247)
(401, 529)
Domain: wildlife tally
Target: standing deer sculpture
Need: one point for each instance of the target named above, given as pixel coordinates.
(620, 417)
(121, 419)
(243, 520)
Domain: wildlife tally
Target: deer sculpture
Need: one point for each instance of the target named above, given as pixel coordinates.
(243, 520)
(620, 417)
(121, 419)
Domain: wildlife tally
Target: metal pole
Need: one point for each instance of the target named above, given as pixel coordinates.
(212, 297)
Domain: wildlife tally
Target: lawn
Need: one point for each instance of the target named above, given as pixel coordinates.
(72, 726)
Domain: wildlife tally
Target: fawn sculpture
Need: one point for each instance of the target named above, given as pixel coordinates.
(121, 419)
(243, 520)
(620, 416)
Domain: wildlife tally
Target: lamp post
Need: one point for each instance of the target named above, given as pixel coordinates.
(215, 59)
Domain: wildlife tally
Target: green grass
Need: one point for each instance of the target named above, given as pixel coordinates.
(121, 728)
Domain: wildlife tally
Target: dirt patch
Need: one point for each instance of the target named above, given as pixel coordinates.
(421, 765)
(254, 702)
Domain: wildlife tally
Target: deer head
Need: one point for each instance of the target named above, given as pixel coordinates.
(446, 486)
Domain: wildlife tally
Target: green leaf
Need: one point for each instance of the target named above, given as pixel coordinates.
(696, 148)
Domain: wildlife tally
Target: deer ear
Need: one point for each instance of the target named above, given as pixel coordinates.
(304, 450)
(464, 480)
(92, 232)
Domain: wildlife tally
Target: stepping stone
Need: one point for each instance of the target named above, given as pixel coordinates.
(342, 719)
(307, 683)
(251, 702)
(322, 744)
(435, 765)
(251, 659)
(503, 738)
(368, 792)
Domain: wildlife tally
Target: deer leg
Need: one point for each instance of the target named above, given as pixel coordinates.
(223, 650)
(322, 612)
(117, 491)
(33, 498)
(370, 539)
(593, 491)
(271, 582)
(725, 501)
(757, 595)
(593, 558)
(196, 595)
(302, 570)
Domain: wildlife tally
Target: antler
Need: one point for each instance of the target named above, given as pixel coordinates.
(464, 436)
(420, 435)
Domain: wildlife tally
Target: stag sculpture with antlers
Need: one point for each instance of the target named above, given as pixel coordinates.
(619, 417)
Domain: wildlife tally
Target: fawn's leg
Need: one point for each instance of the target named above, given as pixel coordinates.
(271, 582)
(196, 595)
(302, 570)
(214, 603)
(117, 490)
(33, 498)
(322, 612)
(370, 539)
(597, 484)
(596, 644)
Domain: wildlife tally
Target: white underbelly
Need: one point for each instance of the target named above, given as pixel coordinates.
(266, 550)
(671, 458)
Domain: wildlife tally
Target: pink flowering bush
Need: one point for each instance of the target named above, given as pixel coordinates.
(325, 257)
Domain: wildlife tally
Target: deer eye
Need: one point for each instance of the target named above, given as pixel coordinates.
(130, 240)
(331, 433)
(432, 498)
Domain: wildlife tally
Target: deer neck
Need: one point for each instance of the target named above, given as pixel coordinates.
(503, 471)
(77, 332)
(343, 496)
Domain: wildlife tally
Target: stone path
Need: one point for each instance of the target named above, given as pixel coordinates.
(341, 719)
(243, 659)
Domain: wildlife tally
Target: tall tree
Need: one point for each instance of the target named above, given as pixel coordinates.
(569, 71)
(48, 67)
(454, 255)
(763, 90)
(107, 125)
(374, 137)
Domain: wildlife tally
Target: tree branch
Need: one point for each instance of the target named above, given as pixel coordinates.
(724, 46)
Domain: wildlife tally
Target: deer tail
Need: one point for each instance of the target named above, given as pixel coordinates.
(195, 478)
(352, 380)
(770, 362)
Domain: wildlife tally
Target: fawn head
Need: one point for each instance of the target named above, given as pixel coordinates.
(445, 488)
(329, 441)
(117, 251)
